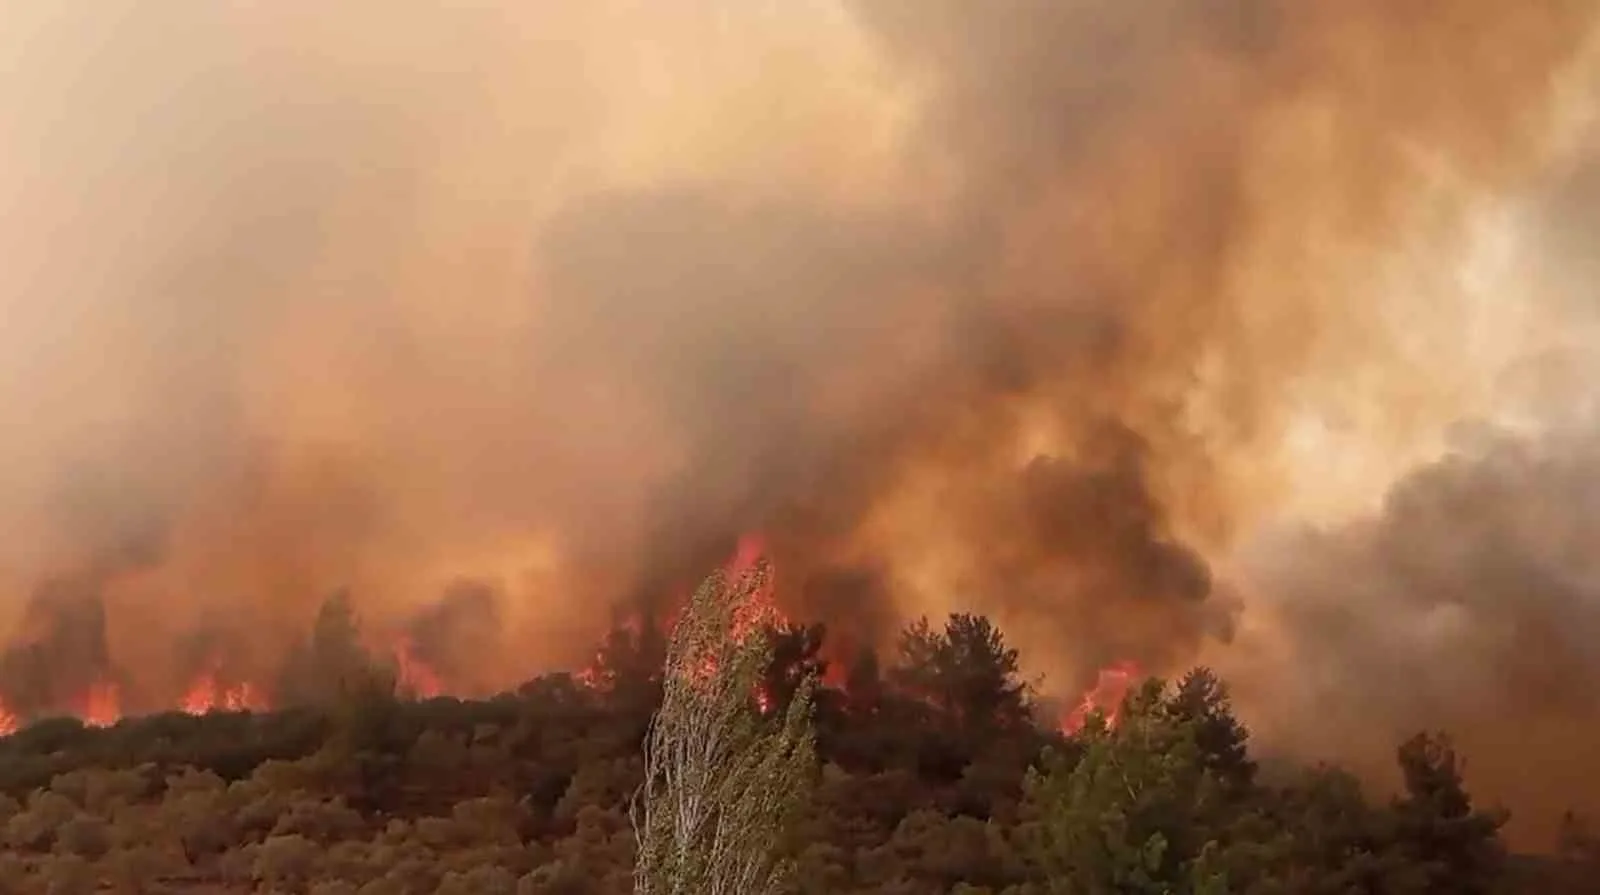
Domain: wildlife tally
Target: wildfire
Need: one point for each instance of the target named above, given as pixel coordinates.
(1111, 687)
(592, 676)
(101, 705)
(754, 613)
(758, 610)
(414, 675)
(208, 695)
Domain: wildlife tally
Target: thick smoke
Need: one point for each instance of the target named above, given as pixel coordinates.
(1471, 604)
(1024, 308)
(1468, 600)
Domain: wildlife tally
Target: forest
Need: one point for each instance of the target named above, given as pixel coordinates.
(929, 769)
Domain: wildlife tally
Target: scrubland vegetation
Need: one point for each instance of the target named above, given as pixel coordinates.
(929, 772)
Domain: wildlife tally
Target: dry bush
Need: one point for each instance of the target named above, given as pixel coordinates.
(100, 791)
(482, 880)
(135, 871)
(491, 820)
(287, 862)
(85, 836)
(67, 875)
(320, 820)
(34, 828)
(13, 873)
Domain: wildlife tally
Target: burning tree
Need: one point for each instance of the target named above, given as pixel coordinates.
(1137, 811)
(722, 780)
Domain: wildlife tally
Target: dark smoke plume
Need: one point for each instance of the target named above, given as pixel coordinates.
(58, 651)
(1471, 603)
(452, 636)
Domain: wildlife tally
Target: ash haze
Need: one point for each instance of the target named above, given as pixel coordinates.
(1148, 328)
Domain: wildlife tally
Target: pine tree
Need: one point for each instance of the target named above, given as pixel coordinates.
(1202, 699)
(965, 670)
(1438, 825)
(1121, 819)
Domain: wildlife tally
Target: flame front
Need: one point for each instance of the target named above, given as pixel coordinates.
(756, 611)
(208, 695)
(101, 705)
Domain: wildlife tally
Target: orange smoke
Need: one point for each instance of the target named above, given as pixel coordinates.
(1006, 314)
(756, 611)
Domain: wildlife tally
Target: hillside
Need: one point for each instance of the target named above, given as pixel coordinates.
(924, 787)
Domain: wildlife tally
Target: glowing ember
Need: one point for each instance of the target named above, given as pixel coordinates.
(1110, 688)
(415, 677)
(101, 705)
(9, 722)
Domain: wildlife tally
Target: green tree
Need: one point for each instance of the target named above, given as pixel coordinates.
(332, 661)
(965, 670)
(1331, 841)
(1437, 824)
(359, 695)
(1201, 699)
(723, 784)
(1136, 813)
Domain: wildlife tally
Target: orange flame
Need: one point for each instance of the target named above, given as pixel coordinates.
(591, 676)
(751, 547)
(757, 610)
(1111, 686)
(415, 677)
(101, 705)
(754, 611)
(208, 695)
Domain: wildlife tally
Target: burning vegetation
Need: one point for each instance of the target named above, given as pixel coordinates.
(929, 774)
(1152, 333)
(337, 648)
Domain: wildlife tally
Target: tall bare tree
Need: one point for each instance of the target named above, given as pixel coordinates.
(723, 780)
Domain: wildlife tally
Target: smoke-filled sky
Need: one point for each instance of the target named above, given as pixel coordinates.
(1252, 331)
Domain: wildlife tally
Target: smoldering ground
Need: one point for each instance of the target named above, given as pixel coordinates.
(1019, 308)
